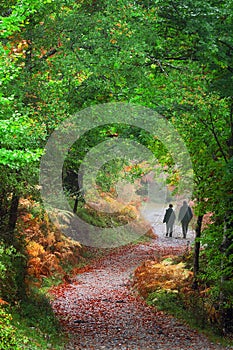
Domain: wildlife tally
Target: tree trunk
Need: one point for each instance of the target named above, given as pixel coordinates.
(13, 214)
(3, 213)
(75, 205)
(197, 249)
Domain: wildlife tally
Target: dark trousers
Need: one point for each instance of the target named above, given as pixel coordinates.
(169, 228)
(184, 228)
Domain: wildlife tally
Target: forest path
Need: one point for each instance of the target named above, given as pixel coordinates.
(100, 311)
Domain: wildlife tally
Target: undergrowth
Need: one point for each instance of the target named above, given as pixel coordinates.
(27, 321)
(188, 309)
(172, 303)
(30, 325)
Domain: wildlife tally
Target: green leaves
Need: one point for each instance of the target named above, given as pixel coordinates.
(18, 158)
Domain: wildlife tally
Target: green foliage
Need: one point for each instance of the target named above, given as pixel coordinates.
(57, 57)
(165, 300)
(37, 312)
(9, 338)
(11, 273)
(189, 308)
(30, 325)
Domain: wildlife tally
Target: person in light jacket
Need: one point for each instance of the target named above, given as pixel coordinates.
(169, 219)
(185, 216)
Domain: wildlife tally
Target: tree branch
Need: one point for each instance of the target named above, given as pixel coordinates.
(217, 140)
(48, 54)
(212, 129)
(230, 140)
(226, 44)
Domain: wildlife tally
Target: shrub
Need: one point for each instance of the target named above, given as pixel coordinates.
(9, 339)
(11, 273)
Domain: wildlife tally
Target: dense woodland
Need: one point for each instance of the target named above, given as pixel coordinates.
(60, 57)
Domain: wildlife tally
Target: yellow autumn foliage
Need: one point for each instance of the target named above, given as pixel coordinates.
(34, 249)
(152, 276)
(46, 246)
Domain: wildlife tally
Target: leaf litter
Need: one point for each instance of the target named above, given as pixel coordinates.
(99, 309)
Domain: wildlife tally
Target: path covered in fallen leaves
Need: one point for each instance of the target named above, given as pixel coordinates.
(100, 310)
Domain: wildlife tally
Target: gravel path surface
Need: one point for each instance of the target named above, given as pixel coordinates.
(100, 311)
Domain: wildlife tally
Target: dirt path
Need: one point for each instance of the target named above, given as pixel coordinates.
(100, 311)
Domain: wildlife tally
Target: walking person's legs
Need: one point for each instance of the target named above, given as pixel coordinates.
(170, 230)
(184, 229)
(167, 229)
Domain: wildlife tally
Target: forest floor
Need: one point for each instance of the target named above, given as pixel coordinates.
(99, 309)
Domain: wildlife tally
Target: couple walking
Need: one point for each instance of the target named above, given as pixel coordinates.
(185, 216)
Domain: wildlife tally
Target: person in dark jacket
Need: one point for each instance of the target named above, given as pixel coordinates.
(169, 219)
(185, 216)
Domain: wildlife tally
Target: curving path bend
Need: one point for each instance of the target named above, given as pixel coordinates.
(99, 310)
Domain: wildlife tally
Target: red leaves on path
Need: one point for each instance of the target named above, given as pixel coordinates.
(101, 311)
